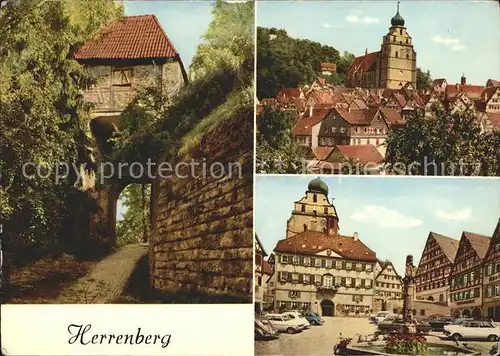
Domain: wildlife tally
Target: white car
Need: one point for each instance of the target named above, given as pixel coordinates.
(299, 317)
(284, 323)
(380, 316)
(473, 330)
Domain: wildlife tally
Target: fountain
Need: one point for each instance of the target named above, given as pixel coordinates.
(406, 342)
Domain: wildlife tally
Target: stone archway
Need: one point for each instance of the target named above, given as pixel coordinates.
(466, 313)
(431, 298)
(476, 313)
(327, 307)
(456, 314)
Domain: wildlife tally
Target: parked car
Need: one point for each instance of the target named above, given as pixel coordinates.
(480, 330)
(395, 324)
(314, 319)
(284, 323)
(299, 317)
(437, 324)
(264, 330)
(459, 321)
(380, 316)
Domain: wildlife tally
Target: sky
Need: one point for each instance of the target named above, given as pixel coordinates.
(185, 22)
(392, 215)
(450, 37)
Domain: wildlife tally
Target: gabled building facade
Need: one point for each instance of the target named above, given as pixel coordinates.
(491, 278)
(466, 276)
(326, 273)
(388, 287)
(433, 272)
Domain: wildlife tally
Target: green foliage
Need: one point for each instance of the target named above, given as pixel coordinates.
(285, 62)
(424, 79)
(134, 227)
(276, 151)
(43, 118)
(449, 144)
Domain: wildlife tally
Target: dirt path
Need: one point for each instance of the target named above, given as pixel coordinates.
(107, 279)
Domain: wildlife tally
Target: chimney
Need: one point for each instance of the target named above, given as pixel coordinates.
(366, 51)
(355, 236)
(463, 80)
(311, 110)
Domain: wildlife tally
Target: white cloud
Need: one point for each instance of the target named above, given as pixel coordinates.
(457, 215)
(327, 25)
(365, 20)
(450, 42)
(385, 217)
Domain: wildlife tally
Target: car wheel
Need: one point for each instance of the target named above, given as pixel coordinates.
(457, 337)
(492, 338)
(290, 330)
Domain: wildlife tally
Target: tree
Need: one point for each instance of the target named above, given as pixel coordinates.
(285, 62)
(277, 152)
(44, 118)
(134, 227)
(449, 144)
(424, 80)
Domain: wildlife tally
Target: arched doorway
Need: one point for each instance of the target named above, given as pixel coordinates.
(133, 214)
(327, 308)
(456, 314)
(466, 313)
(431, 298)
(476, 313)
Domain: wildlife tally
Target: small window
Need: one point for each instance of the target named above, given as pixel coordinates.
(407, 56)
(400, 31)
(303, 208)
(315, 198)
(396, 54)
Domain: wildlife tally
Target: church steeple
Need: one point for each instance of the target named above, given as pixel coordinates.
(398, 20)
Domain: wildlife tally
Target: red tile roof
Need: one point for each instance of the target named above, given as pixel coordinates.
(495, 119)
(493, 82)
(131, 37)
(328, 66)
(289, 93)
(353, 116)
(312, 242)
(472, 91)
(266, 268)
(363, 63)
(323, 97)
(488, 93)
(305, 123)
(448, 245)
(438, 82)
(322, 152)
(479, 243)
(363, 154)
(400, 99)
(392, 116)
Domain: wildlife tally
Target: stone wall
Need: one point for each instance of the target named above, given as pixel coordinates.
(202, 227)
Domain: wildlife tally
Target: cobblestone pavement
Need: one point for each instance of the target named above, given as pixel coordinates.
(319, 340)
(106, 281)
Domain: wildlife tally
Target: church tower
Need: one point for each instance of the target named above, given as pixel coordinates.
(397, 63)
(314, 212)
